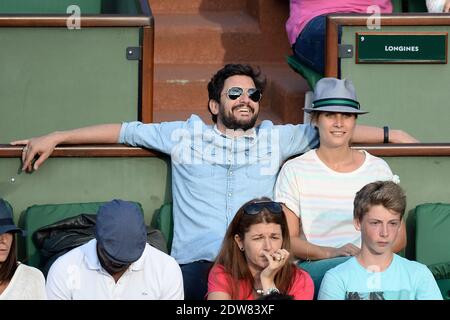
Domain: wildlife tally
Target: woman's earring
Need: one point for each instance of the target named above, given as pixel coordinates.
(241, 248)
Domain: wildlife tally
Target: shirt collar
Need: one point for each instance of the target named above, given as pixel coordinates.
(249, 134)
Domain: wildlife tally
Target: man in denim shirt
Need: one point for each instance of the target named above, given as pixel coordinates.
(216, 168)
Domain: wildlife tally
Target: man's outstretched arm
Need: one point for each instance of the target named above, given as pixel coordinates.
(43, 146)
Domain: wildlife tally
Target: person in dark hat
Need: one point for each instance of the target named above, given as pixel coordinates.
(117, 264)
(318, 187)
(17, 281)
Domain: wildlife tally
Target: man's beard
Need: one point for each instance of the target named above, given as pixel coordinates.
(230, 121)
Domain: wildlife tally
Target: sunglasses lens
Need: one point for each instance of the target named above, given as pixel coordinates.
(254, 94)
(234, 93)
(256, 208)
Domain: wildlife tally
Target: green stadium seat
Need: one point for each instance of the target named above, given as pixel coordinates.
(163, 221)
(432, 241)
(397, 6)
(310, 75)
(441, 272)
(416, 6)
(48, 6)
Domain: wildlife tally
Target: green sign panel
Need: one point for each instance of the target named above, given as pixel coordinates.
(401, 47)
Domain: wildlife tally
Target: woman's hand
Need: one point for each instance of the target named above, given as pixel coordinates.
(345, 251)
(277, 260)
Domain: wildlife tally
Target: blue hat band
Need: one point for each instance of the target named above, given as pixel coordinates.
(336, 102)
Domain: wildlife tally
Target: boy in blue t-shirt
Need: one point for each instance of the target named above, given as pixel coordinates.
(376, 273)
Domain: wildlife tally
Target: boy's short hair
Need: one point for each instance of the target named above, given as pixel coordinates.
(386, 193)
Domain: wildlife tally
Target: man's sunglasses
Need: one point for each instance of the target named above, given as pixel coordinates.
(234, 93)
(257, 207)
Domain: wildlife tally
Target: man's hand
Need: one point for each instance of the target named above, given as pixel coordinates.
(40, 147)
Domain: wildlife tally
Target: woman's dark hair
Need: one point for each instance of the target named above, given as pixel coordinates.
(8, 267)
(233, 260)
(215, 85)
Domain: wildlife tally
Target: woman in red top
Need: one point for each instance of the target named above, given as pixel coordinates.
(254, 259)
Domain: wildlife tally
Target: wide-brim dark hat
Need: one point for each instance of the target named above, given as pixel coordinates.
(6, 219)
(335, 95)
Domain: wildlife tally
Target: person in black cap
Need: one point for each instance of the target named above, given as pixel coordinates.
(17, 281)
(319, 186)
(117, 264)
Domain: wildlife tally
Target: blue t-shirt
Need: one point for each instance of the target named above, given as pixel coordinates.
(402, 280)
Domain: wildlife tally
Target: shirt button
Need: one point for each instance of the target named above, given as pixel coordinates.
(229, 194)
(231, 173)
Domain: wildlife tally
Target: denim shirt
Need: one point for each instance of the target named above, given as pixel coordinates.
(213, 175)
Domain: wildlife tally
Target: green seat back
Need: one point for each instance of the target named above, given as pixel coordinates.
(397, 6)
(96, 7)
(48, 6)
(432, 242)
(417, 6)
(441, 272)
(38, 216)
(131, 7)
(310, 75)
(433, 233)
(163, 221)
(444, 286)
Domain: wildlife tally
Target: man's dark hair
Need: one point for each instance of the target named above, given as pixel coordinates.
(215, 85)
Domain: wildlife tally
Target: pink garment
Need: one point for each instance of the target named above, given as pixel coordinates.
(301, 289)
(303, 11)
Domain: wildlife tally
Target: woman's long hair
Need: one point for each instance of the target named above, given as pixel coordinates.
(233, 260)
(8, 267)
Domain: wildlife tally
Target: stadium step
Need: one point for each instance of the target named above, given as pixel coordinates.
(195, 38)
(195, 6)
